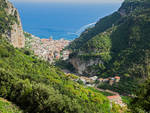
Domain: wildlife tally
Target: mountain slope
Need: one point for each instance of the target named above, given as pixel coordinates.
(100, 26)
(10, 24)
(123, 49)
(35, 85)
(141, 103)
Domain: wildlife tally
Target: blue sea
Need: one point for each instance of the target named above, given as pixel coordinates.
(61, 20)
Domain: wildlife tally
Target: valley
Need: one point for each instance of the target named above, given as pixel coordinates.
(105, 70)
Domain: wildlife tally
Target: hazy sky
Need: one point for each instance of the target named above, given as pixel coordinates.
(71, 1)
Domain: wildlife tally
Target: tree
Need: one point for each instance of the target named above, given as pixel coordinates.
(141, 103)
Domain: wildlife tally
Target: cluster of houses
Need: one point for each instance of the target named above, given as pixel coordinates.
(110, 80)
(48, 49)
(90, 81)
(116, 99)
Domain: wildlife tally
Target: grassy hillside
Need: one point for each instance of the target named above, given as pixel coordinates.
(8, 107)
(35, 86)
(122, 43)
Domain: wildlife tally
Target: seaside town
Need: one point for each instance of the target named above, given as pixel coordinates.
(52, 50)
(48, 49)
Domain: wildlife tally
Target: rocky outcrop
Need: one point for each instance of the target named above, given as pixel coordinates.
(15, 34)
(85, 67)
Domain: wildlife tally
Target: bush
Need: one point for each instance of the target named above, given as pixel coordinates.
(4, 52)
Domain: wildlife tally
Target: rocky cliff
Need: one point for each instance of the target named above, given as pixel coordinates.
(85, 67)
(15, 33)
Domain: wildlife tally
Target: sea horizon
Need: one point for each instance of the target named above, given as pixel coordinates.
(63, 20)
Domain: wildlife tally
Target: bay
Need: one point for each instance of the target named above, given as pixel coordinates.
(61, 20)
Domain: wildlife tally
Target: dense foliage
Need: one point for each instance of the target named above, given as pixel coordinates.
(141, 103)
(8, 107)
(121, 42)
(100, 27)
(36, 86)
(6, 20)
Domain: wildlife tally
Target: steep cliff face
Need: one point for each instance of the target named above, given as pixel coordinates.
(15, 33)
(85, 67)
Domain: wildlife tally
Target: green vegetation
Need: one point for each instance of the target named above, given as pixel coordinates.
(28, 38)
(100, 27)
(38, 87)
(6, 20)
(8, 107)
(141, 103)
(121, 43)
(104, 93)
(64, 65)
(126, 99)
(35, 86)
(125, 86)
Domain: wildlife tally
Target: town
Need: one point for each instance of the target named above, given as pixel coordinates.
(48, 49)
